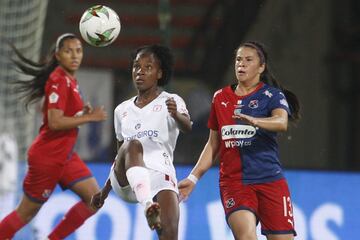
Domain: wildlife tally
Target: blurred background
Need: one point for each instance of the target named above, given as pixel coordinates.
(314, 50)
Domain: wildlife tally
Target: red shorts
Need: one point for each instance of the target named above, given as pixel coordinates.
(270, 202)
(44, 174)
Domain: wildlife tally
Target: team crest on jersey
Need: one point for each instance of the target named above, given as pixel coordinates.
(254, 104)
(46, 193)
(137, 126)
(157, 108)
(53, 97)
(230, 203)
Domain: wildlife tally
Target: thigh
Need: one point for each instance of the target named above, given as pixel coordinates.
(75, 170)
(42, 177)
(240, 205)
(237, 196)
(275, 209)
(85, 189)
(243, 224)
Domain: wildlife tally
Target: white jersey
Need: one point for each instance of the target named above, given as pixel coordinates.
(153, 126)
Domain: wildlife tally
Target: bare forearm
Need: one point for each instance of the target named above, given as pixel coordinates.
(203, 164)
(277, 122)
(183, 122)
(66, 123)
(274, 123)
(107, 188)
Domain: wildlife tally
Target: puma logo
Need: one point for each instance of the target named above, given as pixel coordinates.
(224, 103)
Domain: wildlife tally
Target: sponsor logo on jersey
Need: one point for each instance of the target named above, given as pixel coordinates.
(253, 104)
(237, 143)
(53, 97)
(141, 134)
(224, 103)
(237, 131)
(230, 203)
(137, 126)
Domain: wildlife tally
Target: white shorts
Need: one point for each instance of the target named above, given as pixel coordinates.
(159, 181)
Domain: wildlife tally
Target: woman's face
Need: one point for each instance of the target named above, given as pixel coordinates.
(247, 65)
(146, 71)
(70, 55)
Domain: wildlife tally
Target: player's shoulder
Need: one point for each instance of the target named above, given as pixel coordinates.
(123, 105)
(270, 91)
(166, 95)
(220, 92)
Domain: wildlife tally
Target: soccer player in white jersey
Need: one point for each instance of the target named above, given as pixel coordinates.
(147, 126)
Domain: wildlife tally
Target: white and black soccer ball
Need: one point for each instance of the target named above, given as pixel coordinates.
(99, 26)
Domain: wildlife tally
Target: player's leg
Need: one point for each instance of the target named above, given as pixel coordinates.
(240, 206)
(14, 221)
(38, 184)
(130, 170)
(280, 237)
(169, 203)
(275, 211)
(79, 179)
(243, 225)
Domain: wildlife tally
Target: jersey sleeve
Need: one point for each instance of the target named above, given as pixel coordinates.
(278, 100)
(212, 121)
(117, 124)
(181, 105)
(56, 94)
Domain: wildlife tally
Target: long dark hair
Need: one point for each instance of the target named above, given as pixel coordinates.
(163, 55)
(268, 77)
(34, 89)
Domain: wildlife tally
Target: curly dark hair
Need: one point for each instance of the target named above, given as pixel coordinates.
(163, 55)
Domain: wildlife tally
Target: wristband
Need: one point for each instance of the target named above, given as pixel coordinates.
(192, 178)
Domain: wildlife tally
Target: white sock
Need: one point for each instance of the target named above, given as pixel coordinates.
(139, 181)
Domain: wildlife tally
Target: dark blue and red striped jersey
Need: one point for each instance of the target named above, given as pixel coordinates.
(247, 153)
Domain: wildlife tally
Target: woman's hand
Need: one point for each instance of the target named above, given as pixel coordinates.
(185, 187)
(98, 114)
(171, 106)
(87, 108)
(246, 119)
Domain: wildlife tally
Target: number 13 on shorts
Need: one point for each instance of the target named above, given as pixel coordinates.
(288, 211)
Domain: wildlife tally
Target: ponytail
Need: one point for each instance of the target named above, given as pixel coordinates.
(33, 89)
(268, 77)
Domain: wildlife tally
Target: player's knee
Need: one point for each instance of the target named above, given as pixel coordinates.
(134, 145)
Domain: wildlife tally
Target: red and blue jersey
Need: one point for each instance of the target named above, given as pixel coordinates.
(247, 153)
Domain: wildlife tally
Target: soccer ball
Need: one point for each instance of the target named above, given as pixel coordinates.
(99, 26)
